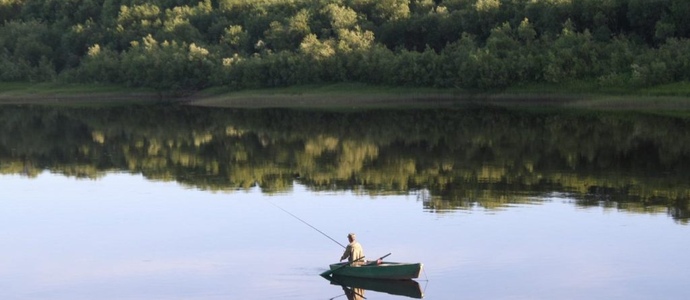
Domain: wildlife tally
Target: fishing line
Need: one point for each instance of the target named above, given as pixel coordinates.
(305, 222)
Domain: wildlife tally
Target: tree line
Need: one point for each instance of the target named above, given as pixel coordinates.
(185, 45)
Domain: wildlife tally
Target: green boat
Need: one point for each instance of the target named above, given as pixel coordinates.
(384, 270)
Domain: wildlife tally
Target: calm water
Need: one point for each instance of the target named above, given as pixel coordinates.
(187, 203)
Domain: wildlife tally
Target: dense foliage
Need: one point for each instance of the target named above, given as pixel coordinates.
(470, 44)
(464, 157)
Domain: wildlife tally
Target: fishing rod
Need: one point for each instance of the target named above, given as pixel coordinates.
(305, 222)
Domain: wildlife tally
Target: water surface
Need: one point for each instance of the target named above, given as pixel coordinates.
(187, 203)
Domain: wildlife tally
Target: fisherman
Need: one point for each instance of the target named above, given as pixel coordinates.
(353, 252)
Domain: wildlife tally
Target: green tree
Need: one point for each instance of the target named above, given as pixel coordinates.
(340, 17)
(136, 22)
(29, 50)
(461, 67)
(643, 17)
(288, 35)
(675, 53)
(574, 56)
(167, 66)
(177, 26)
(391, 10)
(75, 41)
(101, 65)
(10, 9)
(679, 10)
(235, 40)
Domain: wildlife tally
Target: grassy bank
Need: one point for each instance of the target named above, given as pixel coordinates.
(583, 95)
(666, 98)
(343, 95)
(72, 94)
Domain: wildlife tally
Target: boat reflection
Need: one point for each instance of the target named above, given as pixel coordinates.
(355, 288)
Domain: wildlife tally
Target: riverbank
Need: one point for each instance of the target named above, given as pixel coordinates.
(668, 98)
(73, 94)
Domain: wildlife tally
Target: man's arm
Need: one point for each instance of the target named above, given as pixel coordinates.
(346, 254)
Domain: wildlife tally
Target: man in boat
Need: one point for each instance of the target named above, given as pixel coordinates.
(353, 252)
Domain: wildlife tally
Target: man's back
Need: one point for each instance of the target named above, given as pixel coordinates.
(356, 251)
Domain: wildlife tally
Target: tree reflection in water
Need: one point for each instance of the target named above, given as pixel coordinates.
(454, 158)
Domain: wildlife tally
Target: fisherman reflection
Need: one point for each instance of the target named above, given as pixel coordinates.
(354, 293)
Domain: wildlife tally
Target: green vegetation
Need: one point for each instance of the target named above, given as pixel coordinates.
(54, 93)
(177, 47)
(53, 88)
(477, 155)
(332, 96)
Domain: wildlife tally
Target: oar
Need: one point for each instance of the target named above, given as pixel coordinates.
(382, 257)
(329, 272)
(376, 261)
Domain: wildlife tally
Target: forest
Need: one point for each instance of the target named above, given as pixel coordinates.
(185, 46)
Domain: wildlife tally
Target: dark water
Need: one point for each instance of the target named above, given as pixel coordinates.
(175, 202)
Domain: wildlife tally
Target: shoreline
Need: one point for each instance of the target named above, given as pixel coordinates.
(343, 96)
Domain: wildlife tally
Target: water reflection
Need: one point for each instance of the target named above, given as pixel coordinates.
(125, 237)
(356, 288)
(454, 158)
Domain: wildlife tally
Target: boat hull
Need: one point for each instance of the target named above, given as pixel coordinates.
(384, 270)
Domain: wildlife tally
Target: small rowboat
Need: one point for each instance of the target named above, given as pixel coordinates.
(384, 270)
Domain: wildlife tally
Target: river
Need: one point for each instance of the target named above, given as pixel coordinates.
(178, 202)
